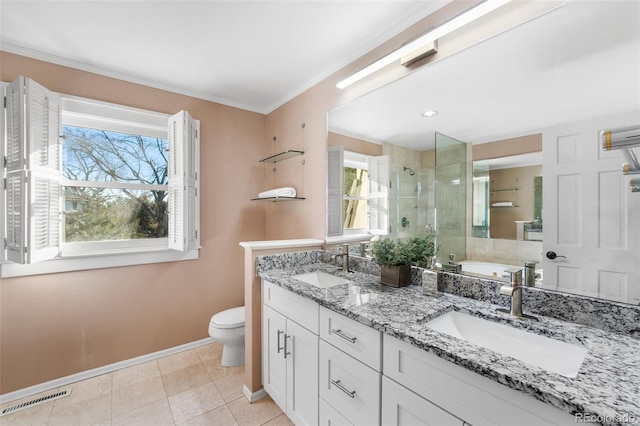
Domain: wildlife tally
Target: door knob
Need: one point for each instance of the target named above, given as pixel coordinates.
(552, 255)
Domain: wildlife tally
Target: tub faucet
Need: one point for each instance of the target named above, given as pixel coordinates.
(345, 257)
(514, 290)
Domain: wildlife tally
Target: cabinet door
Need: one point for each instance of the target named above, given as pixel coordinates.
(274, 364)
(302, 375)
(401, 407)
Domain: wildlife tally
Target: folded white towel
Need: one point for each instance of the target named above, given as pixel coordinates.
(278, 192)
(503, 204)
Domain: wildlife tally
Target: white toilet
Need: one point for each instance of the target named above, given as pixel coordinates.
(227, 328)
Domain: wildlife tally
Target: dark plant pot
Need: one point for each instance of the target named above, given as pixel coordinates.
(396, 275)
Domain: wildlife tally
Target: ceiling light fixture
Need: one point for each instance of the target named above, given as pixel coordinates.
(425, 40)
(429, 113)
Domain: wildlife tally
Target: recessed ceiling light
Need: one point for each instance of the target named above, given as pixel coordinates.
(429, 113)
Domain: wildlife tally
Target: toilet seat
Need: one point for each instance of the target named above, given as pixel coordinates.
(231, 318)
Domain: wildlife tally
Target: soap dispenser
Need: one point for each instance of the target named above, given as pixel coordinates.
(430, 280)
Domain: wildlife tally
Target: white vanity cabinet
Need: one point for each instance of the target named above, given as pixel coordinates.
(349, 371)
(324, 368)
(290, 353)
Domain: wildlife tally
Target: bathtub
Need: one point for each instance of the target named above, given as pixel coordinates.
(492, 270)
(474, 267)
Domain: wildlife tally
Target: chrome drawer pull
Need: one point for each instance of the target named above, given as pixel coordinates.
(344, 336)
(286, 351)
(285, 341)
(337, 383)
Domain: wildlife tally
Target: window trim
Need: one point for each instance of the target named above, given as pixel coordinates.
(80, 256)
(94, 261)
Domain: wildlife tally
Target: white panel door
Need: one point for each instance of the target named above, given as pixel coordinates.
(591, 218)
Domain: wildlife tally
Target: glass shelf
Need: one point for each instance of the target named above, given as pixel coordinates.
(504, 190)
(274, 199)
(282, 156)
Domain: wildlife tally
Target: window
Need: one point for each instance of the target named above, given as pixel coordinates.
(357, 193)
(118, 181)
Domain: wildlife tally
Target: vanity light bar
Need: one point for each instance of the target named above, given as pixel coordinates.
(459, 21)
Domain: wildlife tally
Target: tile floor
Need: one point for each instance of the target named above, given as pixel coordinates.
(188, 388)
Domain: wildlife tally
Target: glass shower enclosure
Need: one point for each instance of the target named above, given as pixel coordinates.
(412, 202)
(452, 168)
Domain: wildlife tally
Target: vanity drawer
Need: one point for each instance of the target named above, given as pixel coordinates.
(361, 342)
(401, 407)
(349, 386)
(297, 308)
(465, 394)
(330, 417)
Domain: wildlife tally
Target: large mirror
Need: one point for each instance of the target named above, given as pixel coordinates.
(578, 62)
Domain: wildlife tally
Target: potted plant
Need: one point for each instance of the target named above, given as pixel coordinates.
(421, 249)
(393, 258)
(396, 257)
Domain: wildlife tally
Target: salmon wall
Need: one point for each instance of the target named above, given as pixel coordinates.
(55, 325)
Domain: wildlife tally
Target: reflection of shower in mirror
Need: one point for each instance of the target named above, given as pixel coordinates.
(411, 172)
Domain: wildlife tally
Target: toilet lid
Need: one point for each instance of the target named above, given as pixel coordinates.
(231, 318)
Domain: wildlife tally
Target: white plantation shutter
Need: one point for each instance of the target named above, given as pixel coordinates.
(378, 201)
(183, 172)
(335, 178)
(16, 132)
(43, 134)
(16, 238)
(16, 173)
(33, 172)
(2, 175)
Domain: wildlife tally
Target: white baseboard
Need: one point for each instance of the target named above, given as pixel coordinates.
(253, 396)
(64, 381)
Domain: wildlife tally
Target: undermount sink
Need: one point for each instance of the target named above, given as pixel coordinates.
(321, 279)
(549, 354)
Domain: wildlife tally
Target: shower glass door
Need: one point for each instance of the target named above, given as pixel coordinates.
(452, 168)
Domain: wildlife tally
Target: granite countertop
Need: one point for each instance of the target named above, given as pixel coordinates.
(607, 385)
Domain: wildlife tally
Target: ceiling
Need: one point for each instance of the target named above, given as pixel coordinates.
(254, 55)
(576, 62)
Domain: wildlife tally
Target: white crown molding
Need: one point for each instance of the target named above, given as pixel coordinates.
(70, 63)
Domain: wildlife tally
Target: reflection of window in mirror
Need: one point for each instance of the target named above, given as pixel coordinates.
(357, 193)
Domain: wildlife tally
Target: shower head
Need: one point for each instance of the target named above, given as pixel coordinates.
(411, 172)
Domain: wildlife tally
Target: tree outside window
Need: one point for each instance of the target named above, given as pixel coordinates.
(115, 185)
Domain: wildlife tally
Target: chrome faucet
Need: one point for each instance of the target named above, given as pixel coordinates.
(514, 290)
(345, 257)
(530, 273)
